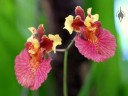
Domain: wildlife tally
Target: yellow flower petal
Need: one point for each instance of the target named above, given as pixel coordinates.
(32, 29)
(87, 21)
(35, 44)
(90, 18)
(89, 11)
(68, 23)
(56, 41)
(95, 18)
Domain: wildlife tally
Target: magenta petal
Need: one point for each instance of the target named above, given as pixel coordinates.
(30, 77)
(104, 49)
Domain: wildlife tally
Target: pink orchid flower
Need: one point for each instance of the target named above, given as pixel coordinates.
(92, 41)
(32, 65)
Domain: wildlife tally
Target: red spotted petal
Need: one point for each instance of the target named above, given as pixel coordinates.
(96, 24)
(99, 52)
(79, 11)
(40, 30)
(30, 77)
(27, 45)
(77, 23)
(46, 43)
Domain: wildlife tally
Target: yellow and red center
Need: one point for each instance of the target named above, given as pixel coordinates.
(36, 59)
(91, 33)
(37, 50)
(77, 23)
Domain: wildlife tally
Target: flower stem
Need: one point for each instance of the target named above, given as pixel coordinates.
(60, 50)
(65, 69)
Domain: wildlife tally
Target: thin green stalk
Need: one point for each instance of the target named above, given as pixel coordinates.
(65, 74)
(65, 69)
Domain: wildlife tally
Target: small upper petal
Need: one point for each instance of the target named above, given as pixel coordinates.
(95, 18)
(32, 29)
(79, 11)
(40, 30)
(89, 11)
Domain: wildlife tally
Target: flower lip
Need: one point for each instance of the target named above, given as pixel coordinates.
(31, 74)
(99, 51)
